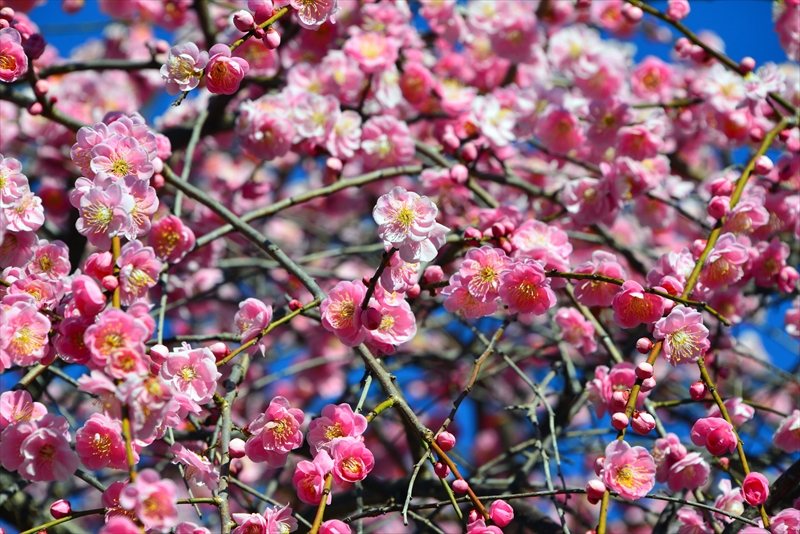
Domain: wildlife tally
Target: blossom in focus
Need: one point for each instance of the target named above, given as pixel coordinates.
(275, 433)
(152, 499)
(407, 222)
(309, 477)
(630, 471)
(714, 433)
(253, 317)
(24, 332)
(755, 489)
(685, 337)
(352, 461)
(193, 372)
(341, 312)
(224, 73)
(593, 292)
(13, 61)
(632, 306)
(139, 270)
(170, 238)
(313, 13)
(99, 443)
(525, 288)
(18, 406)
(183, 68)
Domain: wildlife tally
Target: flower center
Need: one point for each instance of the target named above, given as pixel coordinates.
(101, 444)
(8, 63)
(352, 465)
(342, 313)
(139, 279)
(405, 216)
(98, 216)
(334, 431)
(112, 342)
(47, 453)
(387, 322)
(26, 340)
(188, 373)
(120, 168)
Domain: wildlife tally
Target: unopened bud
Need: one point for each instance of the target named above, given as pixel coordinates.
(763, 166)
(433, 274)
(446, 441)
(498, 230)
(648, 384)
(334, 165)
(441, 470)
(643, 345)
(236, 448)
(722, 187)
(599, 463)
(219, 350)
(41, 87)
(619, 399)
(371, 318)
(697, 391)
(747, 64)
(459, 174)
(272, 39)
(719, 207)
(595, 490)
(642, 422)
(60, 508)
(619, 421)
(472, 233)
(469, 152)
(644, 370)
(35, 108)
(756, 134)
(460, 486)
(632, 13)
(7, 13)
(109, 283)
(414, 291)
(159, 353)
(244, 21)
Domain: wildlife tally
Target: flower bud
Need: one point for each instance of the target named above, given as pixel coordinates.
(244, 21)
(159, 353)
(763, 166)
(722, 187)
(219, 350)
(724, 462)
(509, 226)
(41, 87)
(643, 345)
(697, 391)
(110, 282)
(671, 285)
(698, 54)
(698, 245)
(472, 233)
(756, 134)
(7, 13)
(441, 470)
(469, 152)
(35, 108)
(498, 230)
(35, 46)
(583, 4)
(272, 39)
(619, 399)
(677, 452)
(157, 181)
(755, 489)
(619, 421)
(507, 247)
(446, 441)
(595, 490)
(648, 384)
(414, 291)
(632, 13)
(295, 305)
(433, 274)
(371, 318)
(460, 486)
(644, 370)
(747, 64)
(4, 24)
(642, 422)
(683, 47)
(472, 516)
(236, 448)
(719, 207)
(459, 174)
(501, 513)
(60, 508)
(599, 463)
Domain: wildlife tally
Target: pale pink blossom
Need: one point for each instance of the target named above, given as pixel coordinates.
(105, 213)
(632, 306)
(13, 61)
(630, 471)
(738, 411)
(149, 399)
(605, 118)
(341, 312)
(12, 182)
(334, 526)
(335, 422)
(589, 200)
(275, 433)
(407, 222)
(688, 473)
(593, 292)
(786, 521)
(666, 451)
(576, 330)
(692, 522)
(183, 68)
(460, 300)
(280, 519)
(399, 275)
(651, 80)
(748, 215)
(145, 205)
(253, 317)
(524, 288)
(715, 434)
(119, 156)
(787, 435)
(315, 117)
(264, 129)
(313, 14)
(46, 454)
(352, 461)
(51, 260)
(309, 477)
(397, 325)
(543, 242)
(114, 329)
(171, 239)
(481, 272)
(249, 524)
(374, 51)
(344, 138)
(26, 214)
(605, 383)
(99, 443)
(724, 265)
(153, 500)
(197, 468)
(560, 131)
(730, 500)
(139, 270)
(386, 142)
(223, 72)
(193, 372)
(25, 332)
(18, 406)
(685, 337)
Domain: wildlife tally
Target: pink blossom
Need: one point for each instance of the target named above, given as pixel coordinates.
(525, 288)
(771, 259)
(386, 142)
(460, 300)
(105, 213)
(679, 265)
(787, 436)
(309, 477)
(124, 362)
(120, 524)
(352, 461)
(99, 265)
(13, 61)
(729, 500)
(685, 337)
(25, 332)
(223, 72)
(576, 330)
(397, 325)
(99, 443)
(196, 467)
(280, 519)
(678, 9)
(638, 142)
(399, 275)
(183, 68)
(543, 242)
(12, 182)
(650, 81)
(275, 433)
(114, 329)
(335, 422)
(149, 399)
(139, 270)
(340, 312)
(191, 528)
(748, 215)
(334, 526)
(12, 437)
(630, 471)
(632, 306)
(714, 433)
(688, 473)
(479, 526)
(315, 117)
(253, 317)
(193, 372)
(605, 383)
(786, 521)
(755, 489)
(501, 513)
(152, 499)
(171, 239)
(407, 222)
(264, 129)
(119, 156)
(344, 138)
(18, 406)
(481, 272)
(374, 51)
(592, 292)
(26, 214)
(250, 524)
(51, 260)
(313, 14)
(724, 265)
(145, 205)
(605, 118)
(560, 131)
(692, 522)
(589, 200)
(666, 451)
(738, 411)
(46, 454)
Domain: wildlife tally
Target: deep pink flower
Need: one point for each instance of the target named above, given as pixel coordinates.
(386, 142)
(152, 499)
(105, 213)
(196, 467)
(685, 337)
(755, 489)
(87, 296)
(18, 406)
(688, 473)
(501, 513)
(407, 222)
(25, 214)
(651, 80)
(193, 372)
(13, 61)
(119, 156)
(25, 333)
(114, 329)
(632, 306)
(171, 239)
(139, 270)
(525, 289)
(724, 265)
(335, 422)
(183, 68)
(275, 433)
(51, 260)
(715, 434)
(630, 471)
(46, 454)
(605, 383)
(576, 330)
(223, 72)
(99, 443)
(250, 524)
(397, 324)
(309, 477)
(352, 461)
(460, 300)
(253, 317)
(787, 436)
(592, 292)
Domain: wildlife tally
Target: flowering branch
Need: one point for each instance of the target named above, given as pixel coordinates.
(322, 503)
